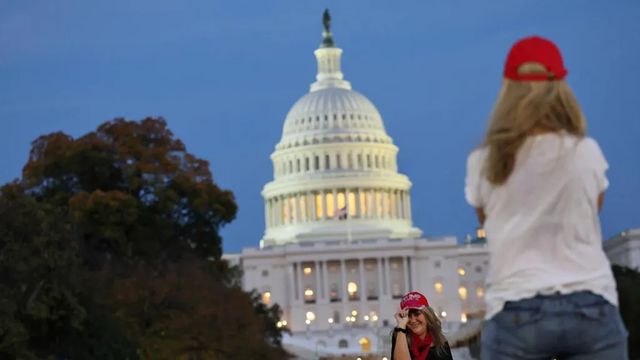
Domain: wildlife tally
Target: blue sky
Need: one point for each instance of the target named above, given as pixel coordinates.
(225, 73)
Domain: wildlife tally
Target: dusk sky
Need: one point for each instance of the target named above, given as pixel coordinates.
(224, 74)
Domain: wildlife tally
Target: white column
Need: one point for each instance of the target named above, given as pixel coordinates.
(324, 205)
(387, 276)
(300, 283)
(374, 203)
(296, 206)
(359, 213)
(293, 276)
(363, 284)
(380, 278)
(343, 287)
(335, 201)
(408, 207)
(318, 287)
(325, 280)
(405, 264)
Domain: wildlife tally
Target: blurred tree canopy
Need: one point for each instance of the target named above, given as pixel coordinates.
(110, 249)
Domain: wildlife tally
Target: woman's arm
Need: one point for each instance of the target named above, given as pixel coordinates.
(600, 201)
(401, 348)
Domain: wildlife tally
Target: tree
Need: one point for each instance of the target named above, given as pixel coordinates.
(125, 235)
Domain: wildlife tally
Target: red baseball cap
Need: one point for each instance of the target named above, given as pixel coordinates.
(538, 50)
(413, 300)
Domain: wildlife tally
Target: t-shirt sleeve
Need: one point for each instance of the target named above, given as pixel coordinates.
(473, 180)
(598, 165)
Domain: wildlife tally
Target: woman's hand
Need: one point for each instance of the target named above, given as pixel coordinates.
(402, 317)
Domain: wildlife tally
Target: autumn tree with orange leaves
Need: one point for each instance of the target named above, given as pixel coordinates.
(116, 236)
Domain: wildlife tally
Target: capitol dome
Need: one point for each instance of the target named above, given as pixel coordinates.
(335, 169)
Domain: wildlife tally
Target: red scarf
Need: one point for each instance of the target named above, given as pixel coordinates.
(420, 347)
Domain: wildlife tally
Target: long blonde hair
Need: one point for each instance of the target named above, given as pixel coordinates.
(434, 326)
(523, 107)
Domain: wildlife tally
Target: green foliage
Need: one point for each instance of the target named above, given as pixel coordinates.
(110, 249)
(628, 282)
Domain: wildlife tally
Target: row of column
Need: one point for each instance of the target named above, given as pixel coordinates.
(360, 203)
(333, 161)
(347, 280)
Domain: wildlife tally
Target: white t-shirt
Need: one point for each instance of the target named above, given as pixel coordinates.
(542, 225)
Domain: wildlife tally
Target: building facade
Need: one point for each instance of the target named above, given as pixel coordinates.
(624, 249)
(339, 248)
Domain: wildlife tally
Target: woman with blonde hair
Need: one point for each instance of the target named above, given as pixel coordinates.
(537, 184)
(418, 332)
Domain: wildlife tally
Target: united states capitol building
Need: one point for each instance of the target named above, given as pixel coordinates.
(340, 248)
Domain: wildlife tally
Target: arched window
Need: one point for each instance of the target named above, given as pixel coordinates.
(343, 344)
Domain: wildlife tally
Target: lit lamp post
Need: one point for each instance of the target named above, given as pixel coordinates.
(330, 321)
(310, 317)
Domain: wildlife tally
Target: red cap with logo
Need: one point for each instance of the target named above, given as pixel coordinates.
(535, 49)
(413, 300)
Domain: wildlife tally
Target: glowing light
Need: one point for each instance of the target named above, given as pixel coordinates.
(311, 316)
(354, 312)
(307, 270)
(461, 271)
(266, 297)
(330, 320)
(443, 314)
(480, 292)
(439, 287)
(352, 288)
(284, 323)
(366, 317)
(462, 291)
(307, 321)
(463, 318)
(308, 292)
(279, 324)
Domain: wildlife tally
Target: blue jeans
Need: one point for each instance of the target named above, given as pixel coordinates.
(575, 326)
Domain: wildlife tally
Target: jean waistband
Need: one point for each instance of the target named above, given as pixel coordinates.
(577, 299)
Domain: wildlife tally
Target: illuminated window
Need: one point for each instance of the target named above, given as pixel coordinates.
(461, 271)
(341, 200)
(292, 209)
(329, 198)
(266, 297)
(462, 291)
(352, 203)
(439, 287)
(480, 292)
(363, 203)
(303, 207)
(308, 296)
(378, 204)
(463, 318)
(319, 207)
(365, 345)
(480, 233)
(307, 270)
(352, 289)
